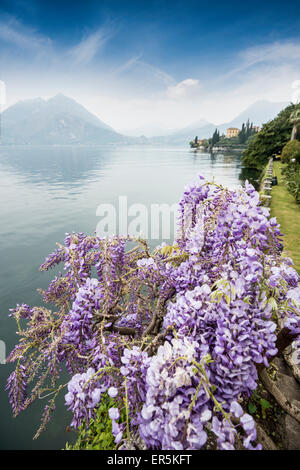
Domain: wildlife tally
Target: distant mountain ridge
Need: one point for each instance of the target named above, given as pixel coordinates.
(149, 130)
(259, 113)
(58, 120)
(62, 121)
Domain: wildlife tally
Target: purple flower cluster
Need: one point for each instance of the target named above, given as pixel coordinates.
(117, 429)
(17, 388)
(167, 419)
(78, 322)
(233, 332)
(226, 432)
(135, 363)
(21, 311)
(84, 394)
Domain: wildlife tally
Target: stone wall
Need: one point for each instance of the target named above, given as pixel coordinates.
(266, 185)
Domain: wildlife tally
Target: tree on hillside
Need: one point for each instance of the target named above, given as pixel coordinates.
(247, 127)
(242, 134)
(291, 151)
(295, 120)
(291, 170)
(270, 139)
(215, 137)
(246, 132)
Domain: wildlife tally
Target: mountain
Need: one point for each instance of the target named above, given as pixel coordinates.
(201, 128)
(61, 120)
(58, 120)
(149, 130)
(196, 125)
(259, 113)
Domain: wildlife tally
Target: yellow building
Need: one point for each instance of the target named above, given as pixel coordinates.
(232, 132)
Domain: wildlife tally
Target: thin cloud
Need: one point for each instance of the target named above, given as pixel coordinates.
(88, 47)
(264, 54)
(127, 65)
(16, 34)
(144, 76)
(276, 52)
(158, 73)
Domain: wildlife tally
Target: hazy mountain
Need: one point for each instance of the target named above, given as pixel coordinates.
(61, 120)
(196, 125)
(58, 120)
(149, 130)
(202, 128)
(259, 113)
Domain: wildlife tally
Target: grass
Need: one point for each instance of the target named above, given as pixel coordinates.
(287, 212)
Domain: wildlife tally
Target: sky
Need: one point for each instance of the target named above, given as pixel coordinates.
(151, 63)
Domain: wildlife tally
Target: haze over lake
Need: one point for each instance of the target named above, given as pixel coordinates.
(48, 191)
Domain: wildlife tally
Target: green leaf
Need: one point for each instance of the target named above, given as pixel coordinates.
(265, 404)
(254, 394)
(251, 408)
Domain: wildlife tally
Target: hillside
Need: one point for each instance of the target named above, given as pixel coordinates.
(58, 120)
(259, 112)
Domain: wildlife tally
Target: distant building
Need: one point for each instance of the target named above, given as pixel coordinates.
(256, 128)
(232, 132)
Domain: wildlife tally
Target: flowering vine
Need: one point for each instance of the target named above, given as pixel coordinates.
(177, 337)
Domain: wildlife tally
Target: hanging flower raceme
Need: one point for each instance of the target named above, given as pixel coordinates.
(84, 394)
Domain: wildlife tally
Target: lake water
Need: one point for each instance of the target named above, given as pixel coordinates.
(48, 191)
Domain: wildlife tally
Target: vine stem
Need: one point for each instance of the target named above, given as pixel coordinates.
(102, 369)
(127, 410)
(53, 392)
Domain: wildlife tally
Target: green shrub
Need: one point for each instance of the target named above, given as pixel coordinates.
(98, 434)
(269, 140)
(291, 151)
(291, 178)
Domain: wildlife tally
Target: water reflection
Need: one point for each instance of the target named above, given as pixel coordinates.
(54, 165)
(73, 165)
(250, 174)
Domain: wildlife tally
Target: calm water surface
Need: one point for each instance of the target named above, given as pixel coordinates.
(48, 191)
